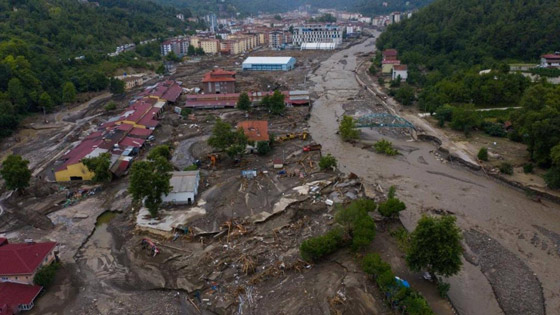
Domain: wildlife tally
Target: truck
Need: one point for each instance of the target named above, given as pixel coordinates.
(312, 147)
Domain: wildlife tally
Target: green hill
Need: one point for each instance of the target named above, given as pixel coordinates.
(40, 40)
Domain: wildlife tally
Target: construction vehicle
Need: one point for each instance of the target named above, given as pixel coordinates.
(214, 157)
(150, 245)
(312, 147)
(290, 136)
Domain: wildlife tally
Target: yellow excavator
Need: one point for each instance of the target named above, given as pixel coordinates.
(290, 136)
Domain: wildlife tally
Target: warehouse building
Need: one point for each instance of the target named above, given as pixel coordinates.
(318, 46)
(269, 63)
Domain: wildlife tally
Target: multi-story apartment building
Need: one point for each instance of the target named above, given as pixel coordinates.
(317, 33)
(179, 46)
(210, 45)
(277, 39)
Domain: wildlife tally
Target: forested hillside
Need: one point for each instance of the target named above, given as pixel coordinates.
(446, 45)
(377, 7)
(40, 40)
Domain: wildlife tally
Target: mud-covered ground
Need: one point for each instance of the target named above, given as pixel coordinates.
(425, 180)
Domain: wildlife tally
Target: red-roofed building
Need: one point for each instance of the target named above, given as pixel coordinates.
(255, 130)
(20, 262)
(400, 71)
(16, 297)
(219, 81)
(550, 60)
(390, 54)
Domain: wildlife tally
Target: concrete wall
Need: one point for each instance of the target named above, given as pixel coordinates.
(181, 198)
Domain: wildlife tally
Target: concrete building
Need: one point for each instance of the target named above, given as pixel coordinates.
(20, 262)
(317, 33)
(131, 82)
(185, 187)
(400, 71)
(551, 60)
(212, 21)
(210, 45)
(219, 81)
(387, 66)
(179, 46)
(278, 39)
(269, 63)
(390, 54)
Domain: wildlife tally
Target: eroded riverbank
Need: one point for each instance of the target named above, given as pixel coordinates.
(426, 183)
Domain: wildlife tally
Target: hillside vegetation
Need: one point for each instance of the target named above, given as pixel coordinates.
(446, 45)
(40, 40)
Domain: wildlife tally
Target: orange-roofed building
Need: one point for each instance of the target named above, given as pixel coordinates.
(255, 130)
(219, 81)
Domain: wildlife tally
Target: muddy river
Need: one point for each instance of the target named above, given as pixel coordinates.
(520, 237)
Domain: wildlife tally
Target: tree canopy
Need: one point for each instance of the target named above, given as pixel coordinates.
(347, 129)
(15, 172)
(99, 165)
(244, 103)
(224, 138)
(435, 246)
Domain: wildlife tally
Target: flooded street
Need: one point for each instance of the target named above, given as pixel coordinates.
(521, 236)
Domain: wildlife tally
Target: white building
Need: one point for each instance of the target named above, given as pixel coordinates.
(318, 46)
(317, 33)
(185, 187)
(400, 70)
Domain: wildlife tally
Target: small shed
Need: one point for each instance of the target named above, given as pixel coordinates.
(184, 187)
(278, 163)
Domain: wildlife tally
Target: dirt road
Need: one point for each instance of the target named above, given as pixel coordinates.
(512, 223)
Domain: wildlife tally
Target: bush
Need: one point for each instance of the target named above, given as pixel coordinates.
(552, 177)
(444, 113)
(528, 168)
(483, 154)
(506, 168)
(465, 118)
(263, 148)
(415, 304)
(373, 264)
(381, 81)
(494, 129)
(45, 276)
(405, 95)
(186, 112)
(192, 167)
(327, 162)
(443, 289)
(384, 146)
(110, 106)
(315, 248)
(347, 129)
(391, 207)
(359, 224)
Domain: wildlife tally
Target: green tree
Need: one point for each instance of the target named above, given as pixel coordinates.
(405, 95)
(222, 135)
(506, 168)
(191, 51)
(160, 69)
(315, 248)
(391, 207)
(45, 275)
(46, 102)
(68, 92)
(435, 246)
(110, 106)
(149, 181)
(116, 86)
(15, 172)
(347, 129)
(99, 165)
(276, 104)
(358, 223)
(263, 147)
(185, 112)
(327, 162)
(160, 151)
(200, 51)
(483, 154)
(244, 103)
(465, 118)
(171, 56)
(552, 177)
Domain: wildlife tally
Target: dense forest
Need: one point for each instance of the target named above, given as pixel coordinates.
(449, 42)
(248, 7)
(48, 45)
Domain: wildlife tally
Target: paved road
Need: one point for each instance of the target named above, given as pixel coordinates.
(423, 182)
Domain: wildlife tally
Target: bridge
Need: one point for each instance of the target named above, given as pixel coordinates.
(383, 120)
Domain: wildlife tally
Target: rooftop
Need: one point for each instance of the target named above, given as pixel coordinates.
(185, 181)
(400, 67)
(23, 258)
(255, 130)
(219, 75)
(268, 60)
(551, 56)
(390, 52)
(15, 294)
